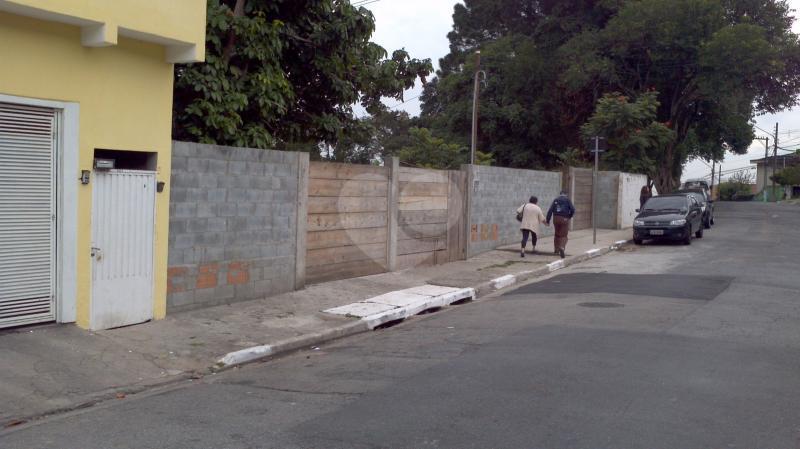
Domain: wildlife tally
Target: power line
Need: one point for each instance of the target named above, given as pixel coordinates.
(405, 101)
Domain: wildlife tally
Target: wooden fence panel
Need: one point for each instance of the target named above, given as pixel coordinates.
(424, 204)
(347, 221)
(581, 195)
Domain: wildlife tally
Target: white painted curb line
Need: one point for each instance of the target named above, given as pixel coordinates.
(245, 355)
(593, 252)
(557, 265)
(503, 281)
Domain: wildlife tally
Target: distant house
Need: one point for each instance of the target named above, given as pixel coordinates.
(85, 146)
(765, 168)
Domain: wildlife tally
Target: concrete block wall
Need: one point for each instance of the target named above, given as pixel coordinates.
(630, 186)
(233, 224)
(494, 194)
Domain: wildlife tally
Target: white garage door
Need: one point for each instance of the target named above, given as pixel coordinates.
(27, 214)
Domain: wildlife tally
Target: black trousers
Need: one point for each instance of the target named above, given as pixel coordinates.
(525, 234)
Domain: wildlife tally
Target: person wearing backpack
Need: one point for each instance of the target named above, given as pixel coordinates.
(561, 211)
(530, 216)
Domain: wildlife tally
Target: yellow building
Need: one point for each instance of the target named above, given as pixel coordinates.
(85, 135)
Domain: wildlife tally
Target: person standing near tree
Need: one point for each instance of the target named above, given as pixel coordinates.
(532, 216)
(561, 211)
(646, 193)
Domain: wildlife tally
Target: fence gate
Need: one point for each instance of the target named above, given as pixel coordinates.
(27, 214)
(123, 211)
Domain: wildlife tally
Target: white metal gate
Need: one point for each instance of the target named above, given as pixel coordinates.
(123, 212)
(27, 214)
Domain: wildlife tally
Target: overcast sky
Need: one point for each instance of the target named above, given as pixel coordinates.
(421, 27)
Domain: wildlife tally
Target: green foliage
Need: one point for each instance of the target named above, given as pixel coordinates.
(427, 151)
(731, 190)
(710, 64)
(737, 187)
(636, 141)
(286, 73)
(380, 135)
(789, 176)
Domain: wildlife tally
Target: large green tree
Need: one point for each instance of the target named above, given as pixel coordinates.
(286, 74)
(713, 65)
(635, 139)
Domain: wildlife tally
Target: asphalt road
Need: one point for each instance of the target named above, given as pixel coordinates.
(664, 346)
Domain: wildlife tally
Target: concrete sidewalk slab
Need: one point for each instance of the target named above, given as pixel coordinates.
(58, 367)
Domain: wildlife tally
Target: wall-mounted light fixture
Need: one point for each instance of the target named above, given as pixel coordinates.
(160, 186)
(85, 177)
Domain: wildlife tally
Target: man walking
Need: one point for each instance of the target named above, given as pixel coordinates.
(531, 216)
(561, 211)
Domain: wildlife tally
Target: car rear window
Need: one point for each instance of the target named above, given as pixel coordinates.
(666, 202)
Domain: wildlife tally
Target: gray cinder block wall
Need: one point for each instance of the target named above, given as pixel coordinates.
(233, 224)
(494, 195)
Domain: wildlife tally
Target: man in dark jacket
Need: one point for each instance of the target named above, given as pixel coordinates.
(561, 211)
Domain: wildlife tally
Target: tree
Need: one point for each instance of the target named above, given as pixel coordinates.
(789, 176)
(738, 186)
(380, 135)
(286, 73)
(713, 65)
(635, 139)
(428, 151)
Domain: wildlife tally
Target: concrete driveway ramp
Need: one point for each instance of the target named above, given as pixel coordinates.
(360, 309)
(401, 304)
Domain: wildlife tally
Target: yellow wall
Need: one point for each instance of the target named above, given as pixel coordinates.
(179, 20)
(125, 97)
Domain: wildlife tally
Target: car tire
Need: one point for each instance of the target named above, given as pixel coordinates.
(699, 233)
(637, 241)
(688, 239)
(707, 223)
(712, 221)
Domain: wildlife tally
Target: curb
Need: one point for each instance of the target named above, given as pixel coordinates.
(511, 279)
(362, 325)
(369, 322)
(412, 302)
(255, 353)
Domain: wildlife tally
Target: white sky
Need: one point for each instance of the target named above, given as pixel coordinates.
(421, 27)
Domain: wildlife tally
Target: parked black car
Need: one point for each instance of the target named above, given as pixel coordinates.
(706, 203)
(673, 217)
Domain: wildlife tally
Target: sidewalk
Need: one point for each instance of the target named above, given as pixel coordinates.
(51, 368)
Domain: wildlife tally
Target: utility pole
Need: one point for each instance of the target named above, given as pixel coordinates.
(713, 172)
(594, 190)
(766, 157)
(774, 161)
(475, 107)
(597, 150)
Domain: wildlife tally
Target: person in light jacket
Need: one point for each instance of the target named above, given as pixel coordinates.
(532, 217)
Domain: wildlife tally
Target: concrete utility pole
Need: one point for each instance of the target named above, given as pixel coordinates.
(774, 161)
(594, 190)
(766, 155)
(475, 107)
(713, 172)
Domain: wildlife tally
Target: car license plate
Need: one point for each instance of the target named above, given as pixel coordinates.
(656, 232)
